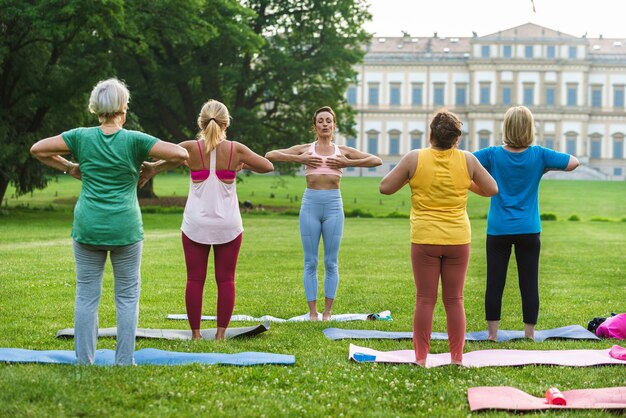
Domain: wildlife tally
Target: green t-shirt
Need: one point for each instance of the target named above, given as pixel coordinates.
(107, 211)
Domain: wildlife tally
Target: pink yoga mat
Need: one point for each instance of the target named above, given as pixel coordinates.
(512, 399)
(485, 358)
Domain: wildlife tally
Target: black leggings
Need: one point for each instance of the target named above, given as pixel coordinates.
(527, 247)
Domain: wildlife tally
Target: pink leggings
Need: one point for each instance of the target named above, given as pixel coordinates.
(430, 262)
(197, 259)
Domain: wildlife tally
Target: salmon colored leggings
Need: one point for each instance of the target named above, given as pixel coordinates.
(429, 262)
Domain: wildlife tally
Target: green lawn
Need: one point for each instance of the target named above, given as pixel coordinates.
(582, 275)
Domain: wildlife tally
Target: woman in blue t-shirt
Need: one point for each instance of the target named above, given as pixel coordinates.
(513, 220)
(107, 219)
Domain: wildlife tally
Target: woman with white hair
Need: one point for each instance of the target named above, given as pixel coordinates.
(107, 217)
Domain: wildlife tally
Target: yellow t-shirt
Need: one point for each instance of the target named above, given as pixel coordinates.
(438, 198)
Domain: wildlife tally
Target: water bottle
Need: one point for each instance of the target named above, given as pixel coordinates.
(555, 397)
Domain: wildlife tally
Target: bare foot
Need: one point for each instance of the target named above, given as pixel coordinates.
(195, 334)
(492, 338)
(220, 333)
(326, 316)
(421, 363)
(313, 316)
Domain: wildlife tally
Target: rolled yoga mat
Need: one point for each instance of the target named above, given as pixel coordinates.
(380, 316)
(512, 399)
(146, 356)
(176, 334)
(575, 332)
(487, 358)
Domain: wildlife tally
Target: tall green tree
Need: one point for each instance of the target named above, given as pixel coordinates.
(51, 54)
(307, 62)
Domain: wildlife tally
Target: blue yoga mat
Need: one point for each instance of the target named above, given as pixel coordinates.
(574, 332)
(146, 356)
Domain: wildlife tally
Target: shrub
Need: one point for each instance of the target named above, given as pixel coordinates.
(573, 218)
(396, 214)
(358, 213)
(548, 217)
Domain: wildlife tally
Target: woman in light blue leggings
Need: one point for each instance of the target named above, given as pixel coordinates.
(321, 214)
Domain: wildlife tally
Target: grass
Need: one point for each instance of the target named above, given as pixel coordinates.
(581, 276)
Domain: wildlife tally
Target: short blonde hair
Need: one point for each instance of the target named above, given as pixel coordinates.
(519, 127)
(109, 98)
(213, 120)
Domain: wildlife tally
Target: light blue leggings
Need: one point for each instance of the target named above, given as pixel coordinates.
(90, 260)
(321, 215)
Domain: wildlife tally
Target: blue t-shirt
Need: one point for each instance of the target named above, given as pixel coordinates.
(515, 209)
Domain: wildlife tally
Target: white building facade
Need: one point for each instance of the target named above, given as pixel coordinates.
(574, 86)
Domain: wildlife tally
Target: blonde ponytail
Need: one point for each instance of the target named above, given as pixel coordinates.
(213, 121)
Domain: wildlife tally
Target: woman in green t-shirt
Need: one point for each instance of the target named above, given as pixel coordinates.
(107, 218)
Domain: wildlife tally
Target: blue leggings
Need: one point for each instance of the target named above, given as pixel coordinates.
(321, 215)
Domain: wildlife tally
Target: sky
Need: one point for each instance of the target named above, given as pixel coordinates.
(459, 18)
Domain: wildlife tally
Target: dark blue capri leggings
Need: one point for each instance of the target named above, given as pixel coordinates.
(527, 247)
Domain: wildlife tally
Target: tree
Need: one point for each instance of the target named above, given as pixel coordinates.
(51, 54)
(307, 62)
(175, 58)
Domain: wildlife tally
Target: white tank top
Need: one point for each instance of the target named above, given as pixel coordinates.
(212, 211)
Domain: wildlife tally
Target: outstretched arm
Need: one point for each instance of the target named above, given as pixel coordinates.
(253, 161)
(295, 154)
(49, 151)
(482, 182)
(572, 164)
(400, 174)
(169, 157)
(351, 157)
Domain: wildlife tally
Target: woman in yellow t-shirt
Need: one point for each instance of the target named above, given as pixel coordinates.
(439, 177)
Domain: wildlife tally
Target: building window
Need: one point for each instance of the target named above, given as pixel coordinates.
(485, 93)
(617, 171)
(416, 140)
(438, 94)
(596, 147)
(550, 93)
(351, 142)
(507, 95)
(483, 139)
(529, 94)
(416, 94)
(372, 89)
(618, 147)
(461, 93)
(394, 94)
(596, 96)
(372, 142)
(351, 95)
(394, 143)
(618, 96)
(572, 94)
(484, 51)
(570, 143)
(551, 51)
(572, 52)
(351, 168)
(372, 169)
(463, 141)
(528, 51)
(549, 142)
(506, 51)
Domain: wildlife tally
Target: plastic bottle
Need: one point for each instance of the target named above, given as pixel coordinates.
(555, 397)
